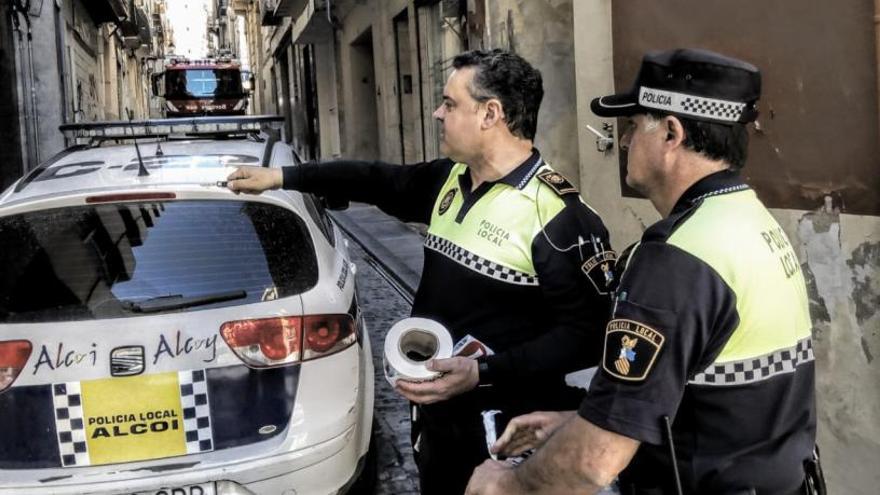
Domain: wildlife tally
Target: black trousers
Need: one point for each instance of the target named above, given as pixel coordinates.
(447, 446)
(449, 441)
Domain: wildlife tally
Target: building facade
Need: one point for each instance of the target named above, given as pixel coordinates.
(224, 35)
(72, 61)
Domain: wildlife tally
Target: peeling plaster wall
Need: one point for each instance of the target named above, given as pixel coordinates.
(839, 255)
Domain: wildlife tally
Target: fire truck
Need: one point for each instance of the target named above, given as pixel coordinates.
(202, 87)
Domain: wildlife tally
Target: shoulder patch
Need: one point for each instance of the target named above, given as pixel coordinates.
(446, 202)
(557, 182)
(630, 349)
(600, 271)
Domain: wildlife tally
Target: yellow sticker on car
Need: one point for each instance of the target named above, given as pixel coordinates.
(132, 418)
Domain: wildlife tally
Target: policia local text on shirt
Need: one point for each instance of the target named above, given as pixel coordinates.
(707, 384)
(513, 257)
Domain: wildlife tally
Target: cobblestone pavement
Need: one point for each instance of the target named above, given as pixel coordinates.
(382, 306)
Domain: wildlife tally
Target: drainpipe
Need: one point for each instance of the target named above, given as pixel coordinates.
(33, 81)
(877, 52)
(59, 47)
(24, 110)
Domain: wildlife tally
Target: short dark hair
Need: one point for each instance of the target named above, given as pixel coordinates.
(717, 141)
(513, 81)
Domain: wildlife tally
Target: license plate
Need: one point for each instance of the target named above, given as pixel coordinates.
(200, 489)
(135, 418)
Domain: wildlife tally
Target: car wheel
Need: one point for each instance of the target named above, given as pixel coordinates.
(365, 484)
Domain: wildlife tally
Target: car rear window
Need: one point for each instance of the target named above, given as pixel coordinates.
(100, 261)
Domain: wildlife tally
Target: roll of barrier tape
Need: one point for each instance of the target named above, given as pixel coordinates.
(410, 344)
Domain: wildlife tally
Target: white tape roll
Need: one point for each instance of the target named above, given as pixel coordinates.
(410, 344)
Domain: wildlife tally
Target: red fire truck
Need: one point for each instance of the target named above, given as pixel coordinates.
(202, 87)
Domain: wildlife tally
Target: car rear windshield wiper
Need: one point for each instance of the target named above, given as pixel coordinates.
(178, 301)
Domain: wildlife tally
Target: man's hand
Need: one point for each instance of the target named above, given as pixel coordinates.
(492, 477)
(529, 431)
(460, 374)
(254, 180)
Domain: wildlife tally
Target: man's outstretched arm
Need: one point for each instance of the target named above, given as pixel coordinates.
(405, 191)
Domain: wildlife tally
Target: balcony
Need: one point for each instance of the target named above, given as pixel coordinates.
(290, 8)
(269, 18)
(136, 30)
(276, 10)
(221, 7)
(240, 6)
(106, 10)
(157, 25)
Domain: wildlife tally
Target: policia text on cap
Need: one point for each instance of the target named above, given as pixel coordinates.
(707, 380)
(513, 257)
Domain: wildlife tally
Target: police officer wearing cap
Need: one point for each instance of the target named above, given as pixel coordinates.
(706, 385)
(513, 257)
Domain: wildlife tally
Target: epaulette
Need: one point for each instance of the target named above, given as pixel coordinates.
(557, 182)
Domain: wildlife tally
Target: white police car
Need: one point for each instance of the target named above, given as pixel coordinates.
(160, 334)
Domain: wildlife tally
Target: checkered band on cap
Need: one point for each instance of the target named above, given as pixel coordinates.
(757, 369)
(69, 424)
(695, 106)
(196, 411)
(477, 263)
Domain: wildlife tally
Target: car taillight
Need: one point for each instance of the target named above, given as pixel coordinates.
(13, 356)
(271, 342)
(265, 342)
(327, 334)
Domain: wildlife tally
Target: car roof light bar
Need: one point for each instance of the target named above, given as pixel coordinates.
(169, 127)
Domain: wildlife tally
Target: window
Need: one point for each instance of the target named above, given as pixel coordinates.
(92, 262)
(203, 83)
(316, 209)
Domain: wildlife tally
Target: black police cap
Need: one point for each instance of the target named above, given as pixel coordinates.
(696, 84)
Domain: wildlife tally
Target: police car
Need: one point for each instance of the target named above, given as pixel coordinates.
(160, 334)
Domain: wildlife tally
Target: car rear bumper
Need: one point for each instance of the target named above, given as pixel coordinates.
(290, 464)
(320, 469)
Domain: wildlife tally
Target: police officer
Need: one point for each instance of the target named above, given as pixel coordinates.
(513, 257)
(707, 380)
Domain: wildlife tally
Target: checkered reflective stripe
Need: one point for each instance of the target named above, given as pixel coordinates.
(718, 192)
(478, 264)
(723, 110)
(196, 412)
(697, 106)
(757, 369)
(69, 424)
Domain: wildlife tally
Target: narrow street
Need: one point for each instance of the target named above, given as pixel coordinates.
(382, 306)
(170, 323)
